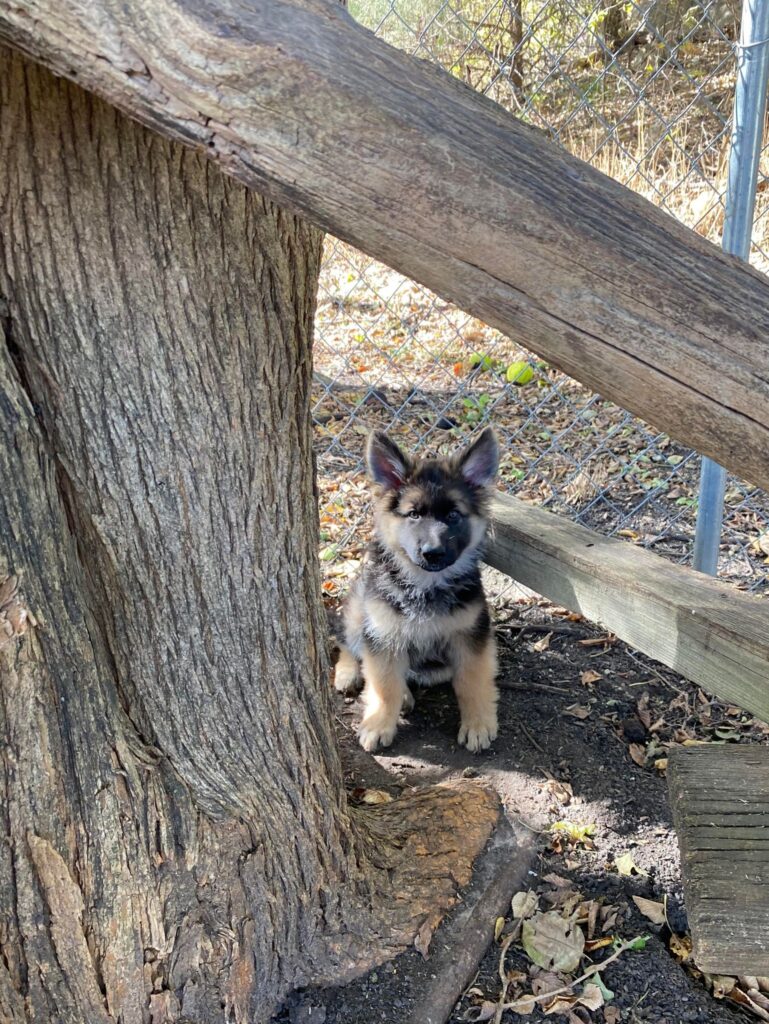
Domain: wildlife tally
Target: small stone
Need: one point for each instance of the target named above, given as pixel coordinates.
(633, 730)
(470, 772)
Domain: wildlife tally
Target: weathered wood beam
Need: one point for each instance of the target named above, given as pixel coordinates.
(706, 630)
(297, 100)
(720, 801)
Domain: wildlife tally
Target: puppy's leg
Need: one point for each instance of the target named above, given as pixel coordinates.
(476, 668)
(384, 693)
(346, 671)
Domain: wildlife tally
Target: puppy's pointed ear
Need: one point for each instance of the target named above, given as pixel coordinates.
(387, 465)
(478, 464)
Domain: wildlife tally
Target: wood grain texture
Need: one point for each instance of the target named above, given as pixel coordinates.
(294, 98)
(703, 629)
(720, 800)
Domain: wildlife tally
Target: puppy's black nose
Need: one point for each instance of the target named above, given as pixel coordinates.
(433, 553)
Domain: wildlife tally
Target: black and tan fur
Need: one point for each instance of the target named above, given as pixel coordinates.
(417, 613)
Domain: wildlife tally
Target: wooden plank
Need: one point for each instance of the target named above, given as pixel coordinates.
(297, 100)
(706, 630)
(725, 865)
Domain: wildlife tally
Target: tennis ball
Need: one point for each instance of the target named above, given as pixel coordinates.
(519, 373)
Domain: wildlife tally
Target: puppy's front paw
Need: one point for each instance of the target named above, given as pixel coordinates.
(347, 678)
(376, 730)
(478, 733)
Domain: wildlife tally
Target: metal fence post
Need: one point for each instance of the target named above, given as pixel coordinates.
(745, 149)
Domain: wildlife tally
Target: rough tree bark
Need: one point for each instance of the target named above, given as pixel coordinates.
(395, 156)
(175, 842)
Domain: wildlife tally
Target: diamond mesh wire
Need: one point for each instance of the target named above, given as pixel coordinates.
(644, 92)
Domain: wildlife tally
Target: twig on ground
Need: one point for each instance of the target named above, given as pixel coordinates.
(654, 671)
(523, 1003)
(536, 627)
(502, 970)
(529, 737)
(509, 684)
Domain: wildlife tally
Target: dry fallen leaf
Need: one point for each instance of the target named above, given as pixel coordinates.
(524, 1005)
(577, 711)
(560, 1004)
(638, 754)
(593, 944)
(626, 866)
(681, 947)
(557, 880)
(611, 1015)
(543, 644)
(642, 710)
(592, 997)
(553, 942)
(592, 917)
(743, 999)
(608, 918)
(423, 937)
(486, 1011)
(655, 912)
(661, 764)
(499, 925)
(589, 676)
(562, 791)
(759, 998)
(543, 982)
(722, 985)
(565, 900)
(524, 904)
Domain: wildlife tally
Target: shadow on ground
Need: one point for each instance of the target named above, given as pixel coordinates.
(570, 708)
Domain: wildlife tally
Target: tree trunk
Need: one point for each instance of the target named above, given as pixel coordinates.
(175, 838)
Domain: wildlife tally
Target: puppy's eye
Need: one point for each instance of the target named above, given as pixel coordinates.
(453, 516)
(413, 514)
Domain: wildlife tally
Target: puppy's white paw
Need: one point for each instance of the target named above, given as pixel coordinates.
(347, 677)
(408, 701)
(375, 731)
(346, 680)
(478, 733)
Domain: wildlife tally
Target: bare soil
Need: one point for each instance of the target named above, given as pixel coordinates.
(550, 765)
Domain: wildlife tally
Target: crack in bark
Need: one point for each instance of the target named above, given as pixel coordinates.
(15, 355)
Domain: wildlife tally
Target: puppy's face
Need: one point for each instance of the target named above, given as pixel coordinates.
(431, 512)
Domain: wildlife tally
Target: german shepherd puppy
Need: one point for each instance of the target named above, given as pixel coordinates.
(417, 613)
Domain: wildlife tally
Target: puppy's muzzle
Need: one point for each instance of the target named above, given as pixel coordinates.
(435, 558)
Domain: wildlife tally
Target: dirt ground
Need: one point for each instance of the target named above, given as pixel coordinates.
(585, 726)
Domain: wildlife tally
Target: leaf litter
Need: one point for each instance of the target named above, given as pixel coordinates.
(555, 944)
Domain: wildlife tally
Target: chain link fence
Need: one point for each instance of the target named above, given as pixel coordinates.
(644, 92)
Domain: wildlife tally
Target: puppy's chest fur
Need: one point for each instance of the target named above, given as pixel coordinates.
(425, 623)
